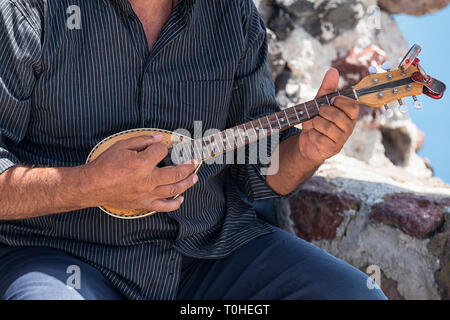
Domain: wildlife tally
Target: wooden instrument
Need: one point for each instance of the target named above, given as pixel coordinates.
(375, 90)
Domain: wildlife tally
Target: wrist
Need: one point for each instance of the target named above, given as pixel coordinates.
(86, 184)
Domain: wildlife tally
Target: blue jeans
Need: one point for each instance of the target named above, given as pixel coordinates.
(274, 266)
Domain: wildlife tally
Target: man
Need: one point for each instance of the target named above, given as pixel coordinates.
(75, 72)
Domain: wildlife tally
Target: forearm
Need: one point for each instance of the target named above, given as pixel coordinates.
(294, 169)
(32, 192)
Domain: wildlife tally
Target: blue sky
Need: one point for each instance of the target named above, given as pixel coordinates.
(432, 33)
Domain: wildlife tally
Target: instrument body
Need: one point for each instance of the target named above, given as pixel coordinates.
(168, 139)
(375, 90)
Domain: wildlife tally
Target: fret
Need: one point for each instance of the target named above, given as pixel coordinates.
(328, 101)
(338, 93)
(270, 125)
(240, 136)
(256, 133)
(279, 124)
(262, 127)
(317, 105)
(207, 147)
(199, 154)
(296, 114)
(217, 147)
(248, 134)
(306, 109)
(289, 123)
(228, 141)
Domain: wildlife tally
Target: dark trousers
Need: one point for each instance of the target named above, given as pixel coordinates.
(275, 266)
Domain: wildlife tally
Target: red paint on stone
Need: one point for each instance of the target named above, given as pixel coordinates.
(415, 215)
(317, 210)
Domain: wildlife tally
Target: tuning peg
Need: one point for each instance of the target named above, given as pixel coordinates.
(403, 108)
(388, 111)
(417, 104)
(372, 70)
(387, 66)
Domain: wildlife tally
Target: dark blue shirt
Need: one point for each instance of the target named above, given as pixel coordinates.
(62, 90)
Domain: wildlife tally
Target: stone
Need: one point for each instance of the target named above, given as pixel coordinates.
(317, 210)
(440, 246)
(413, 7)
(416, 215)
(275, 57)
(376, 202)
(323, 20)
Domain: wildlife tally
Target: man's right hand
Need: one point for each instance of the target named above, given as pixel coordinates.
(126, 176)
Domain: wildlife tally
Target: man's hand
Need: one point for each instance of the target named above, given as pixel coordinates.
(321, 138)
(126, 176)
(325, 135)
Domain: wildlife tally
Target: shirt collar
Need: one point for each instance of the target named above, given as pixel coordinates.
(126, 8)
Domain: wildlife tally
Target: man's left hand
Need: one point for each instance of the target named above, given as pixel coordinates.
(325, 135)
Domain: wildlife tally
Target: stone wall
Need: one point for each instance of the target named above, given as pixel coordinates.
(377, 203)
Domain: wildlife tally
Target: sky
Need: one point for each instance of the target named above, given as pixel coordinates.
(432, 33)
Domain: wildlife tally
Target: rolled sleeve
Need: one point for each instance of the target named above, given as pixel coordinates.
(253, 97)
(20, 49)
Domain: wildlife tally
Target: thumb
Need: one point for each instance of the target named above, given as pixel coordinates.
(329, 83)
(141, 143)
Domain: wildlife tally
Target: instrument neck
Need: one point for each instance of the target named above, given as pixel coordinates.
(213, 145)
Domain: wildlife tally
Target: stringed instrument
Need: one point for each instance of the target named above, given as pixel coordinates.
(375, 90)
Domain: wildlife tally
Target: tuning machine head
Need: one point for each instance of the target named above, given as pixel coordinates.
(373, 70)
(387, 66)
(417, 104)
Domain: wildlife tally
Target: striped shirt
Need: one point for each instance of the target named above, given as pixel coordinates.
(73, 72)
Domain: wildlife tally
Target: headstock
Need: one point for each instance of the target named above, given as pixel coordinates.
(409, 80)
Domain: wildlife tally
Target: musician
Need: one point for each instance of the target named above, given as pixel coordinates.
(75, 72)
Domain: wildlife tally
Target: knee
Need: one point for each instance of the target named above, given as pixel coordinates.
(345, 282)
(39, 286)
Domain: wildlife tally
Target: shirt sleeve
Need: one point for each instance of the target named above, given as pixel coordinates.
(253, 97)
(20, 47)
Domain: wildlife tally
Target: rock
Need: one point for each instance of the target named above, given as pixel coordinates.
(418, 216)
(440, 246)
(275, 58)
(288, 89)
(354, 65)
(324, 20)
(308, 60)
(413, 7)
(317, 210)
(390, 288)
(376, 202)
(281, 24)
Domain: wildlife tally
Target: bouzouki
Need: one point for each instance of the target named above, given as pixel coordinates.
(375, 90)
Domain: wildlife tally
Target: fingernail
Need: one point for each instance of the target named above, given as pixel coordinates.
(157, 136)
(332, 100)
(181, 198)
(195, 178)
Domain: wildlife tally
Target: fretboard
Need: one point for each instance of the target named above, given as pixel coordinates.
(252, 131)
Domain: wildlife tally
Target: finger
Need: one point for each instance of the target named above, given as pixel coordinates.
(172, 174)
(165, 205)
(329, 83)
(153, 154)
(338, 117)
(349, 106)
(321, 141)
(329, 129)
(175, 189)
(307, 125)
(140, 143)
